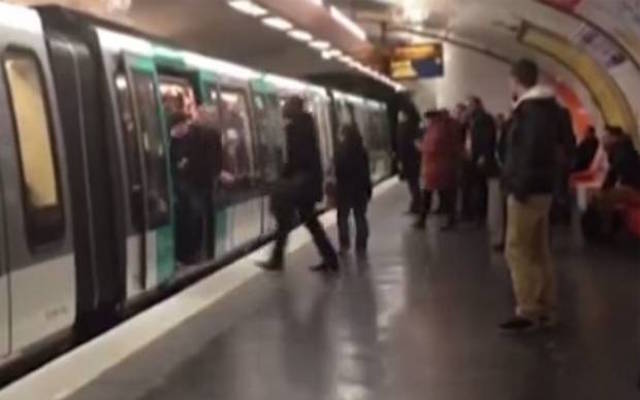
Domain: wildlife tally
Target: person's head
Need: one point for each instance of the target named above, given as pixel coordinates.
(590, 131)
(351, 134)
(524, 76)
(475, 103)
(430, 116)
(460, 111)
(613, 135)
(293, 107)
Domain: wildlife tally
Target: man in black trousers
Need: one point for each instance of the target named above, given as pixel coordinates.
(300, 188)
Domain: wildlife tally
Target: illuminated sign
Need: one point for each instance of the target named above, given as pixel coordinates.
(415, 62)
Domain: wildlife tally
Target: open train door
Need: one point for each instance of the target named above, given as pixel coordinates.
(151, 197)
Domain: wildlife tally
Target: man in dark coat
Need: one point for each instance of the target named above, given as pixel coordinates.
(301, 188)
(409, 157)
(586, 150)
(354, 188)
(483, 162)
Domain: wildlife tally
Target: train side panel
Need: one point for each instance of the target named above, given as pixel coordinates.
(37, 214)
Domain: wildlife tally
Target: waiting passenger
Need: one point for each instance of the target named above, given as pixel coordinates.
(300, 188)
(482, 131)
(441, 155)
(408, 155)
(354, 188)
(586, 150)
(529, 177)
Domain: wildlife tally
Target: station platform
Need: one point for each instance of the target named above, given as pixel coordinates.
(418, 320)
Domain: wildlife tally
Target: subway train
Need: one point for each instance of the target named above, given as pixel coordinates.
(86, 183)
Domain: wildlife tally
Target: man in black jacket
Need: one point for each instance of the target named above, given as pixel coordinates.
(483, 162)
(408, 155)
(301, 188)
(586, 150)
(529, 176)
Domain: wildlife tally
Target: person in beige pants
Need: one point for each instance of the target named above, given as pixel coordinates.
(529, 256)
(529, 175)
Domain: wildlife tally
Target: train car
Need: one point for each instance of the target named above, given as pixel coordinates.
(90, 185)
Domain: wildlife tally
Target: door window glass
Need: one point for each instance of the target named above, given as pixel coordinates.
(153, 148)
(236, 137)
(270, 147)
(41, 197)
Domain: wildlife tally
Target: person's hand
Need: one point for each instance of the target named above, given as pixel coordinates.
(226, 178)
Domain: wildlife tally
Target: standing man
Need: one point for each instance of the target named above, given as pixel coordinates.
(301, 188)
(483, 162)
(409, 157)
(529, 178)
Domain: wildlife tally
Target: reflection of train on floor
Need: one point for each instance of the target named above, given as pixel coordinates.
(85, 185)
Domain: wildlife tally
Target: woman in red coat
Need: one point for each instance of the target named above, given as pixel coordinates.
(441, 149)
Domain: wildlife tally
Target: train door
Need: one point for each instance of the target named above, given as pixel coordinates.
(150, 251)
(37, 251)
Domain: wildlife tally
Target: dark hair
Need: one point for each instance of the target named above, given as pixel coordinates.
(525, 72)
(615, 131)
(591, 129)
(431, 114)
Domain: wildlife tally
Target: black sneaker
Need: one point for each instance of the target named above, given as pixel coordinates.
(518, 325)
(270, 265)
(420, 225)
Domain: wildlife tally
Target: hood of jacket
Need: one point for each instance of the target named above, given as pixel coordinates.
(537, 92)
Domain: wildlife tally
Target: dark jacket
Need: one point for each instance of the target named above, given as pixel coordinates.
(534, 138)
(585, 152)
(408, 155)
(483, 142)
(303, 168)
(353, 173)
(624, 166)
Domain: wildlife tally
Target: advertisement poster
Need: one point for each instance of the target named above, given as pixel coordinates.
(598, 46)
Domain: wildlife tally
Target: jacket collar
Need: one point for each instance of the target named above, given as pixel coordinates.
(536, 92)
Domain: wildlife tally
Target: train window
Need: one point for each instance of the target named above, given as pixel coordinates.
(41, 194)
(270, 147)
(153, 148)
(130, 147)
(236, 136)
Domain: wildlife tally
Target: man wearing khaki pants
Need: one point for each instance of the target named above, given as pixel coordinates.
(529, 179)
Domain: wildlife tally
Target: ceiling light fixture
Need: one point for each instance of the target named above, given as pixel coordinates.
(320, 44)
(326, 55)
(248, 7)
(301, 36)
(277, 23)
(317, 2)
(354, 28)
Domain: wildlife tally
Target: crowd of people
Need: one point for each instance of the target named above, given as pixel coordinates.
(513, 173)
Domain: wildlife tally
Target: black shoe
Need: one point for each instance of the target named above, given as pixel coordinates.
(420, 225)
(271, 265)
(325, 267)
(361, 253)
(518, 325)
(344, 251)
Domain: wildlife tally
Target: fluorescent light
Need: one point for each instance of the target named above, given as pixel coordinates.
(117, 42)
(285, 83)
(354, 28)
(277, 23)
(316, 2)
(320, 44)
(334, 53)
(326, 55)
(248, 7)
(219, 66)
(302, 36)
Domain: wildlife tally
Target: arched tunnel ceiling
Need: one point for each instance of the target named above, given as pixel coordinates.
(212, 27)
